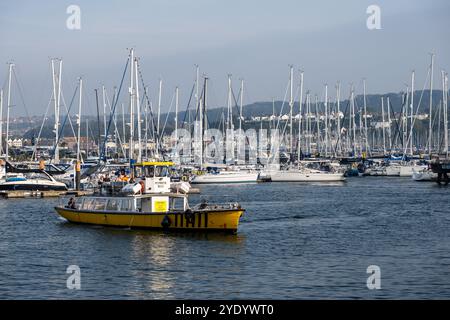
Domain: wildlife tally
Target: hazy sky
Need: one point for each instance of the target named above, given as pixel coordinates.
(251, 39)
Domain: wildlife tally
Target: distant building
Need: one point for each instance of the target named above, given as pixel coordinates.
(16, 143)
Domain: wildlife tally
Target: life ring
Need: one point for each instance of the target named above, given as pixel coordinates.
(189, 214)
(166, 222)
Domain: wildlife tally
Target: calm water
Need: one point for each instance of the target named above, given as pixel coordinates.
(295, 241)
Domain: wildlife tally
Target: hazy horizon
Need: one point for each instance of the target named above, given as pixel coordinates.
(254, 40)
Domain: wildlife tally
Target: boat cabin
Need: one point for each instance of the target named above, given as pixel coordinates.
(156, 176)
(145, 203)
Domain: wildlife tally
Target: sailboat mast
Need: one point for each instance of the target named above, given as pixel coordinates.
(353, 121)
(365, 117)
(80, 84)
(383, 125)
(291, 106)
(411, 136)
(389, 123)
(430, 125)
(241, 106)
(326, 120)
(138, 111)
(131, 146)
(104, 110)
(300, 118)
(11, 65)
(338, 98)
(176, 115)
(445, 111)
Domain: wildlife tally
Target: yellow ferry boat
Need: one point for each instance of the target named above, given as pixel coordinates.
(149, 204)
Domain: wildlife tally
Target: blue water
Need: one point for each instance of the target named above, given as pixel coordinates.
(295, 241)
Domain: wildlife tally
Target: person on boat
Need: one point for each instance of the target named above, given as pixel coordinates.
(71, 203)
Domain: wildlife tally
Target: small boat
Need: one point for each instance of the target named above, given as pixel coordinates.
(424, 175)
(147, 203)
(169, 212)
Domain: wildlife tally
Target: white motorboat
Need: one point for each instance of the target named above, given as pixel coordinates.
(35, 181)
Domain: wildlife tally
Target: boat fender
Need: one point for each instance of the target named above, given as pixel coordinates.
(166, 222)
(189, 214)
(142, 184)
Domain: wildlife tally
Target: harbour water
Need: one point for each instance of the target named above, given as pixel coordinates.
(295, 241)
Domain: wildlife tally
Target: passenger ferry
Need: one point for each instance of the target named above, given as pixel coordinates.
(148, 203)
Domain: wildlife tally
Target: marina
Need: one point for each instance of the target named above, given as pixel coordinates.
(199, 152)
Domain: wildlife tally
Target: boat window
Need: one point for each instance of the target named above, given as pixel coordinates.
(125, 205)
(138, 204)
(177, 204)
(161, 171)
(150, 171)
(99, 204)
(138, 171)
(88, 204)
(113, 205)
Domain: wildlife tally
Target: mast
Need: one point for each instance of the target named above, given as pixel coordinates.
(8, 106)
(241, 105)
(230, 125)
(273, 113)
(412, 114)
(300, 118)
(123, 125)
(197, 75)
(176, 114)
(383, 125)
(430, 126)
(365, 117)
(138, 111)
(203, 126)
(338, 98)
(98, 123)
(104, 111)
(131, 146)
(316, 102)
(87, 137)
(445, 110)
(80, 84)
(159, 109)
(291, 106)
(326, 120)
(353, 121)
(389, 124)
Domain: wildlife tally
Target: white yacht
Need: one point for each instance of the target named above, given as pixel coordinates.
(215, 176)
(306, 175)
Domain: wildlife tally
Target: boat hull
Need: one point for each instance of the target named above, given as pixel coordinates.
(30, 186)
(290, 176)
(226, 178)
(203, 221)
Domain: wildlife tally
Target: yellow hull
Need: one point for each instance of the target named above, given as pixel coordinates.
(225, 220)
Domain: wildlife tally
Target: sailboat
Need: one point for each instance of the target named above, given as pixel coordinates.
(214, 175)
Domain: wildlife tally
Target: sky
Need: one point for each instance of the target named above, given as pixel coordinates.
(254, 40)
